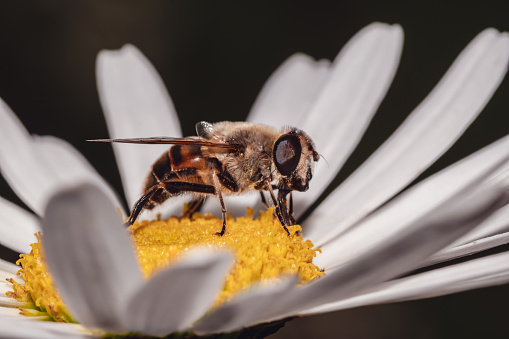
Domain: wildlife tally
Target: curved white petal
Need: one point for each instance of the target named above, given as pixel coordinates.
(244, 309)
(342, 107)
(173, 299)
(360, 77)
(497, 223)
(25, 328)
(10, 302)
(290, 91)
(500, 177)
(90, 256)
(425, 135)
(417, 202)
(135, 104)
(18, 159)
(6, 286)
(398, 254)
(21, 153)
(9, 312)
(9, 271)
(382, 263)
(483, 272)
(69, 166)
(8, 267)
(468, 249)
(4, 275)
(17, 227)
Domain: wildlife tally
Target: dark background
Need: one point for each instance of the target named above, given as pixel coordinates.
(214, 57)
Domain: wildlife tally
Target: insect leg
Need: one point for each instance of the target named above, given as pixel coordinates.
(177, 187)
(290, 209)
(171, 187)
(193, 207)
(286, 211)
(141, 203)
(278, 208)
(264, 202)
(221, 201)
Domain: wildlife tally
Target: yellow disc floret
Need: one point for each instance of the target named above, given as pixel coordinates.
(38, 290)
(263, 251)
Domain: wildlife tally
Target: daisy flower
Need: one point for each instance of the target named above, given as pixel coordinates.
(373, 230)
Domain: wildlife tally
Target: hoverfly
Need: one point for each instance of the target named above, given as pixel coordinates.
(228, 158)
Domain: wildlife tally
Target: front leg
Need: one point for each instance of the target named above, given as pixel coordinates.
(278, 209)
(286, 211)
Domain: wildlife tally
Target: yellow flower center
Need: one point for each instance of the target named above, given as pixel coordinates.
(263, 251)
(38, 290)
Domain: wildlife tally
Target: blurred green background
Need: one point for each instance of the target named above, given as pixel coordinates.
(214, 57)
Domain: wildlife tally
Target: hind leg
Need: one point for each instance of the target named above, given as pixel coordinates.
(161, 192)
(143, 203)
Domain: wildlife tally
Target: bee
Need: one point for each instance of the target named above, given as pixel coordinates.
(229, 158)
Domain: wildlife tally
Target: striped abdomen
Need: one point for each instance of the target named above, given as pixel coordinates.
(180, 164)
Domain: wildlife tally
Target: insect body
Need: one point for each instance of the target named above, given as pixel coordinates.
(229, 158)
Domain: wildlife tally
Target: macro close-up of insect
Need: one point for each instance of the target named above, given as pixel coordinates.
(228, 158)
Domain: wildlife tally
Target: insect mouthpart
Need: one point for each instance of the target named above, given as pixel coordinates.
(301, 185)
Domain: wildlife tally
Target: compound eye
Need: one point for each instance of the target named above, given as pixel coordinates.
(287, 151)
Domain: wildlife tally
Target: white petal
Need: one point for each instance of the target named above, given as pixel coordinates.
(17, 227)
(70, 166)
(468, 249)
(135, 104)
(8, 267)
(5, 286)
(360, 77)
(426, 134)
(244, 309)
(10, 302)
(18, 159)
(497, 223)
(396, 255)
(9, 312)
(500, 177)
(489, 271)
(176, 297)
(90, 256)
(415, 203)
(20, 153)
(290, 91)
(28, 328)
(9, 271)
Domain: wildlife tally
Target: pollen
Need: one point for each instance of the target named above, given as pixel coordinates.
(38, 291)
(262, 248)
